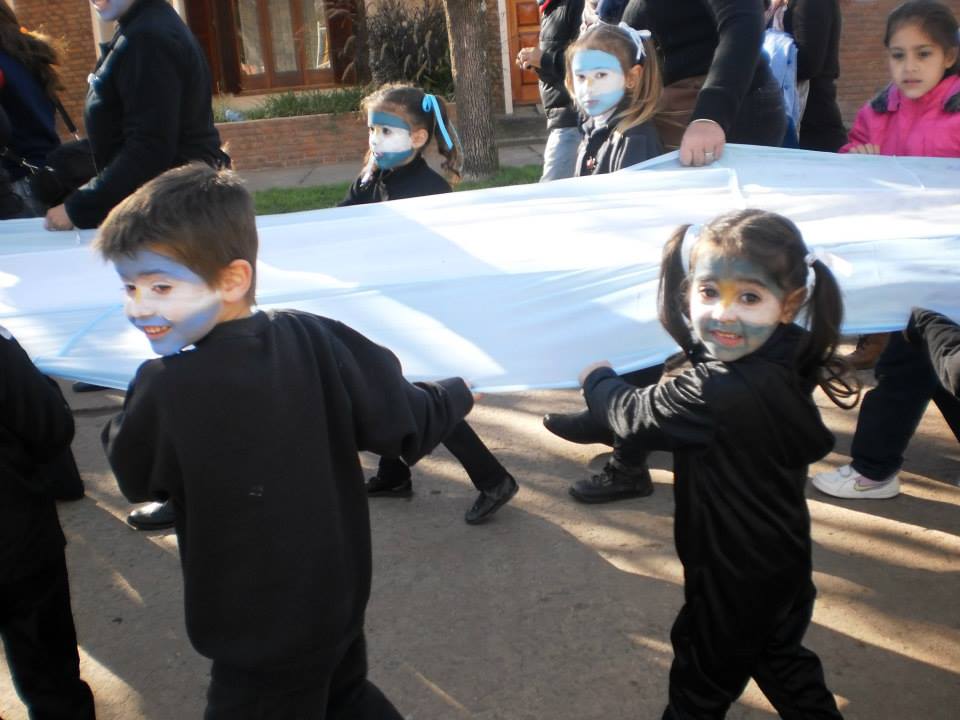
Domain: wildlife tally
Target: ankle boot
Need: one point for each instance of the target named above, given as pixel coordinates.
(614, 482)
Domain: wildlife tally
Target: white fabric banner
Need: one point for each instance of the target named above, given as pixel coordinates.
(520, 287)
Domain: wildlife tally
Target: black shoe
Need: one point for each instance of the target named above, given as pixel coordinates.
(578, 428)
(614, 482)
(489, 501)
(153, 516)
(390, 485)
(84, 387)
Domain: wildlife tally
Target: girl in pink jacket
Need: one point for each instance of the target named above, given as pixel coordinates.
(919, 111)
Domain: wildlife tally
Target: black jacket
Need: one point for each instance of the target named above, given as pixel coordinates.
(148, 109)
(36, 428)
(686, 34)
(414, 179)
(815, 26)
(559, 26)
(742, 434)
(254, 436)
(604, 150)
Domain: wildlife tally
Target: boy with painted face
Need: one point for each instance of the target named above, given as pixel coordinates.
(613, 75)
(743, 428)
(251, 426)
(401, 121)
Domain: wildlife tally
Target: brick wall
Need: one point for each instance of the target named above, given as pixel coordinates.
(863, 63)
(69, 22)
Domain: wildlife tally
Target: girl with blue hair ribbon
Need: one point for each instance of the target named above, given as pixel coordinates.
(613, 75)
(401, 121)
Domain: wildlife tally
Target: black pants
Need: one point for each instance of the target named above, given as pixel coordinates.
(483, 468)
(890, 413)
(712, 663)
(345, 694)
(36, 624)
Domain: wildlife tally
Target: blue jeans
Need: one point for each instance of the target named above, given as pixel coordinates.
(560, 154)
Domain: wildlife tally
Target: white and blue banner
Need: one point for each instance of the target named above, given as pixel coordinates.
(520, 287)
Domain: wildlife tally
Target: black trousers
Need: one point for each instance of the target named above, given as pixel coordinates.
(713, 662)
(345, 694)
(36, 624)
(890, 412)
(483, 468)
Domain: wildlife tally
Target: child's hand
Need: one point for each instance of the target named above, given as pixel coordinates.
(585, 373)
(529, 57)
(476, 396)
(866, 149)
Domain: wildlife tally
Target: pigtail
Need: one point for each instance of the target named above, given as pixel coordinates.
(818, 356)
(672, 291)
(452, 154)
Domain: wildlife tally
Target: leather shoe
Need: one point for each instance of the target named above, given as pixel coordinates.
(153, 516)
(84, 387)
(614, 482)
(489, 501)
(578, 428)
(392, 480)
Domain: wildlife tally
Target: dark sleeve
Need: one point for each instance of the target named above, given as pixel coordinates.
(553, 63)
(149, 79)
(35, 422)
(811, 31)
(393, 417)
(141, 455)
(357, 194)
(638, 148)
(941, 337)
(740, 29)
(666, 416)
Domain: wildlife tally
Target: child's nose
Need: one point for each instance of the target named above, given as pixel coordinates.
(724, 312)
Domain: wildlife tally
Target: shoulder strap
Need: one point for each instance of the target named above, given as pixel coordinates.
(65, 116)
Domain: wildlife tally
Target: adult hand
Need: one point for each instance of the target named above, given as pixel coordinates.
(529, 57)
(585, 373)
(702, 143)
(57, 219)
(865, 149)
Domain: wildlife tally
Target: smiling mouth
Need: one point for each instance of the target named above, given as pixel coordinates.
(727, 339)
(154, 332)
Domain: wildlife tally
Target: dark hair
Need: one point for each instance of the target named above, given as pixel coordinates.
(407, 101)
(639, 103)
(34, 51)
(199, 216)
(774, 243)
(934, 19)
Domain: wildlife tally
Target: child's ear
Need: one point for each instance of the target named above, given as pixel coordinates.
(418, 138)
(235, 281)
(792, 304)
(632, 78)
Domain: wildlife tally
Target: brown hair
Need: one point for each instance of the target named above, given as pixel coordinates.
(199, 216)
(34, 51)
(639, 103)
(934, 19)
(774, 243)
(407, 101)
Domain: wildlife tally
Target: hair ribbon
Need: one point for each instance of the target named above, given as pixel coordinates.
(638, 36)
(690, 238)
(430, 105)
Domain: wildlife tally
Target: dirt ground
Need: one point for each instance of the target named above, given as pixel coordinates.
(553, 610)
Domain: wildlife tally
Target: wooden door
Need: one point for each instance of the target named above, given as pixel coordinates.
(523, 28)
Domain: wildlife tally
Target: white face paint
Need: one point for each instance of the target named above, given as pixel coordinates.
(110, 10)
(598, 81)
(389, 139)
(170, 303)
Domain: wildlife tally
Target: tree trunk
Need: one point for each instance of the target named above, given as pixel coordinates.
(467, 29)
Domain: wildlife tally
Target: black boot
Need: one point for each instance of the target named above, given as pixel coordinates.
(614, 482)
(153, 516)
(489, 501)
(578, 428)
(392, 479)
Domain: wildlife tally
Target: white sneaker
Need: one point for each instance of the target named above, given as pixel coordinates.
(845, 482)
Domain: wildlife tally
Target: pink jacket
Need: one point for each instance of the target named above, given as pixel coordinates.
(928, 126)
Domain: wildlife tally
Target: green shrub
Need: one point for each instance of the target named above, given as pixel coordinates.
(291, 104)
(410, 44)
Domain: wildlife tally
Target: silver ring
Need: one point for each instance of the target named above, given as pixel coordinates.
(708, 156)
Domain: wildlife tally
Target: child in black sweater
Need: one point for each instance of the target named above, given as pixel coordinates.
(253, 431)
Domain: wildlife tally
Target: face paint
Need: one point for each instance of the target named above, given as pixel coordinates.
(170, 303)
(109, 10)
(734, 305)
(598, 81)
(389, 138)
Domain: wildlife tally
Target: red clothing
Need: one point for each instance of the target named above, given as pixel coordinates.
(928, 126)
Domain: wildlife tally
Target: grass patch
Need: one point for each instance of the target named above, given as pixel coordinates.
(289, 104)
(286, 200)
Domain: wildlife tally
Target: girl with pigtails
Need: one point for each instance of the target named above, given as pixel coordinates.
(740, 420)
(401, 122)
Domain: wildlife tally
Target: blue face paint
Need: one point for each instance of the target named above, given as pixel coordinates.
(167, 301)
(598, 81)
(390, 142)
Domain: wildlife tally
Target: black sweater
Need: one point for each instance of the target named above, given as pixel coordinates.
(148, 109)
(742, 434)
(414, 179)
(604, 150)
(717, 38)
(36, 427)
(559, 26)
(254, 436)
